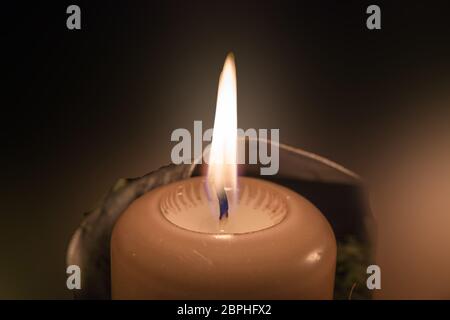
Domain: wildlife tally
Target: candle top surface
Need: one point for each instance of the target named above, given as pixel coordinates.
(255, 206)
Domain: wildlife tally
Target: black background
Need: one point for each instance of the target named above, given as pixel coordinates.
(83, 108)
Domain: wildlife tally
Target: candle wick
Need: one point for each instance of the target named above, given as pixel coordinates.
(223, 204)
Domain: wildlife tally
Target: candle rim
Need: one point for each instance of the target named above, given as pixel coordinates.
(235, 234)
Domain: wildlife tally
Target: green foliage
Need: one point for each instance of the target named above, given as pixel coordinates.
(353, 257)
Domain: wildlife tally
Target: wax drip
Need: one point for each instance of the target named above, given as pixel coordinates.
(223, 204)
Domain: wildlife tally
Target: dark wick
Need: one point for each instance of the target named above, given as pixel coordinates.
(223, 204)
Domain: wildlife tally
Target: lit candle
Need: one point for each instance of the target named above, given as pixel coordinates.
(217, 237)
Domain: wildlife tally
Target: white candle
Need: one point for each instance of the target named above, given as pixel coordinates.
(168, 245)
(220, 237)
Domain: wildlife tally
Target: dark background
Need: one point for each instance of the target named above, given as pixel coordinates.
(81, 109)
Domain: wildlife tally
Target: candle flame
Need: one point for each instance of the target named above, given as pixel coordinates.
(222, 167)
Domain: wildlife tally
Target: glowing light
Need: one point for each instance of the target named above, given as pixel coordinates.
(222, 164)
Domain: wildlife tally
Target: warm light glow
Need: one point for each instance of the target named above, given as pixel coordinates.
(222, 169)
